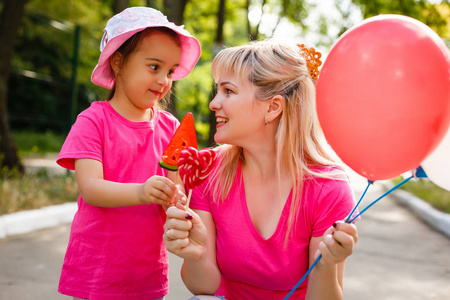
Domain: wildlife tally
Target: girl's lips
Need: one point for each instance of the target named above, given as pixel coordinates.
(156, 93)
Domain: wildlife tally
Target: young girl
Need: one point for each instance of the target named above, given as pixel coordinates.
(272, 203)
(116, 249)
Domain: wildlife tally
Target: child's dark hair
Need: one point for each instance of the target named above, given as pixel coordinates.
(127, 48)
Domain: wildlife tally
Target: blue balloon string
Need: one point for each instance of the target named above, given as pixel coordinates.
(304, 277)
(382, 196)
(347, 221)
(357, 204)
(320, 256)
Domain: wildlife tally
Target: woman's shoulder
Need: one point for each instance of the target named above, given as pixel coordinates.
(328, 179)
(327, 172)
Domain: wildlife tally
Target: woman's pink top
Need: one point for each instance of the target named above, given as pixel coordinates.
(253, 267)
(117, 253)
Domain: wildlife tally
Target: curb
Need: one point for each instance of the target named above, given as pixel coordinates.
(31, 220)
(437, 220)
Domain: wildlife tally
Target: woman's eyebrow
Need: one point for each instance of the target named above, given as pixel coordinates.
(226, 82)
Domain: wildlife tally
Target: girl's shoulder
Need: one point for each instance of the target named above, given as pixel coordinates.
(96, 108)
(165, 115)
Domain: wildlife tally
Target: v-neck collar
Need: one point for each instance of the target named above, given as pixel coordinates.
(252, 228)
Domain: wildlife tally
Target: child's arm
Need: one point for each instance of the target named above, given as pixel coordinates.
(97, 191)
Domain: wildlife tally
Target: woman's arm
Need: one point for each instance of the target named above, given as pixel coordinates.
(326, 280)
(97, 191)
(194, 240)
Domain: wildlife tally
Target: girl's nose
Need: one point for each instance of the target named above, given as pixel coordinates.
(163, 79)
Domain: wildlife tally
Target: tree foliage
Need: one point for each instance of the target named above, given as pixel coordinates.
(42, 60)
(434, 15)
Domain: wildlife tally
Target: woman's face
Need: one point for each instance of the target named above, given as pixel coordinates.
(239, 116)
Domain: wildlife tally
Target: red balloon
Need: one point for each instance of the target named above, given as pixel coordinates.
(383, 95)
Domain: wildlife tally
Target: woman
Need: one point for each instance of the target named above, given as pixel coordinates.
(271, 204)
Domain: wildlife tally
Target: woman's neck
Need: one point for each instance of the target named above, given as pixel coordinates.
(260, 163)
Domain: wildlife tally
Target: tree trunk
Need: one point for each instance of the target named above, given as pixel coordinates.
(11, 16)
(218, 46)
(174, 10)
(120, 5)
(254, 35)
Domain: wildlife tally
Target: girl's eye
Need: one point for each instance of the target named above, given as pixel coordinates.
(154, 67)
(171, 72)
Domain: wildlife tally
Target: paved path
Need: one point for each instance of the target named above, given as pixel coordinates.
(397, 257)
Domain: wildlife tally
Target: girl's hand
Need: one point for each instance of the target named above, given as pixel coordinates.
(158, 190)
(185, 233)
(179, 196)
(337, 244)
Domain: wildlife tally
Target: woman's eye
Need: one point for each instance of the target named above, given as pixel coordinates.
(228, 91)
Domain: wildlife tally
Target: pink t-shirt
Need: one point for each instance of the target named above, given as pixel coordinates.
(253, 267)
(117, 253)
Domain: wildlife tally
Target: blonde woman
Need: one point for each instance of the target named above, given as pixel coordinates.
(272, 203)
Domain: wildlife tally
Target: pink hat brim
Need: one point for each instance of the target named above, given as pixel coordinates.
(102, 74)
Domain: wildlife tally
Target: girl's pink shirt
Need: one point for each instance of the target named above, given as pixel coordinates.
(117, 253)
(254, 267)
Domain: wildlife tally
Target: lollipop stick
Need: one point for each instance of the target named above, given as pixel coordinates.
(176, 177)
(189, 198)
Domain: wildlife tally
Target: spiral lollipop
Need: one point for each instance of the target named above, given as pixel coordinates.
(194, 166)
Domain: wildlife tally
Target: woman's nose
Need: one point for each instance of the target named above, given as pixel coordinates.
(214, 104)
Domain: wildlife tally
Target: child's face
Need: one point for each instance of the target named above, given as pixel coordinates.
(146, 75)
(240, 117)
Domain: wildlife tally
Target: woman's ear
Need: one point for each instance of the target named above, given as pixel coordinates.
(276, 105)
(115, 62)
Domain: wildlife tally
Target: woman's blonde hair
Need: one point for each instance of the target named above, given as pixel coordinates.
(278, 69)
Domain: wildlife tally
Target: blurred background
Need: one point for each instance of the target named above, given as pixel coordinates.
(48, 49)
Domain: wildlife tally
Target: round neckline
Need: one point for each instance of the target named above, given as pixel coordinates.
(139, 124)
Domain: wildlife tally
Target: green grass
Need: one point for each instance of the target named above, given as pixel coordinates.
(30, 142)
(32, 191)
(27, 192)
(426, 190)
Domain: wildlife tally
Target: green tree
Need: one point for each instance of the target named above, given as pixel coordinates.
(424, 11)
(119, 5)
(10, 20)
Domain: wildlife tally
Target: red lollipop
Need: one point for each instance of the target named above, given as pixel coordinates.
(194, 166)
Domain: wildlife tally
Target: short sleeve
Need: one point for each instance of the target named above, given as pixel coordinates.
(334, 202)
(83, 141)
(200, 198)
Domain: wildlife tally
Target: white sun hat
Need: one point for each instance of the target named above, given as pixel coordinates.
(130, 21)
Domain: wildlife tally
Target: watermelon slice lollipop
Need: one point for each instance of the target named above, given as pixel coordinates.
(185, 136)
(194, 166)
